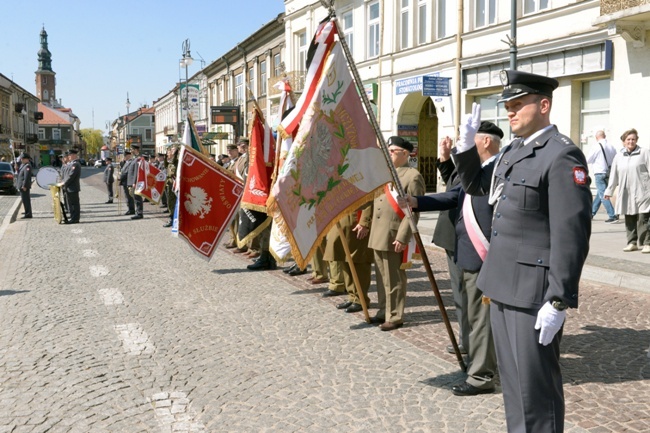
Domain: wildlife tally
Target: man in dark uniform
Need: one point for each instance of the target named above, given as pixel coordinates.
(108, 178)
(159, 163)
(234, 224)
(24, 184)
(132, 178)
(124, 175)
(540, 240)
(71, 186)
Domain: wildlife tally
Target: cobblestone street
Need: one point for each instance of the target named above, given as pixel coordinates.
(114, 325)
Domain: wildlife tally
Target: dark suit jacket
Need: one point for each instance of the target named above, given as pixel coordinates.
(72, 176)
(542, 223)
(108, 174)
(444, 234)
(24, 177)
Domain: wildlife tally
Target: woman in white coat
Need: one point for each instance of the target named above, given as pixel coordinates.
(630, 174)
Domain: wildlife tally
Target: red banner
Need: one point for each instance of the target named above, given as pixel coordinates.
(150, 182)
(260, 169)
(208, 198)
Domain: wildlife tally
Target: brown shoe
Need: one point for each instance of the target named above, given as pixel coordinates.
(319, 280)
(230, 245)
(240, 250)
(389, 326)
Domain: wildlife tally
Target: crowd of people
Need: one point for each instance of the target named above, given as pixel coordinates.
(515, 223)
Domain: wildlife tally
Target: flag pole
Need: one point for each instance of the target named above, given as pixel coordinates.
(396, 181)
(353, 269)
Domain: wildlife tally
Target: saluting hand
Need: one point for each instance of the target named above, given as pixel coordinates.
(444, 149)
(468, 129)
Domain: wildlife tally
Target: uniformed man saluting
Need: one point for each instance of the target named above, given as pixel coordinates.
(540, 239)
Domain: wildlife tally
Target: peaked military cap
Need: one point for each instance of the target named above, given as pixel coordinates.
(135, 145)
(127, 152)
(24, 156)
(231, 147)
(518, 83)
(74, 151)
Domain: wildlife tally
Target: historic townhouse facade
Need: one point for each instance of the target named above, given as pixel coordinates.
(423, 62)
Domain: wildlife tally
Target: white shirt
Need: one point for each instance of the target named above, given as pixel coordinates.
(597, 159)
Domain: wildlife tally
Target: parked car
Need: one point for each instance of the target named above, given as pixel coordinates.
(99, 163)
(7, 178)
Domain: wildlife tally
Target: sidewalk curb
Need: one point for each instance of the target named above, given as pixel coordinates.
(624, 280)
(10, 217)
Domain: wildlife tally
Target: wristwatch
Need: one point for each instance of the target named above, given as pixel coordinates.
(559, 304)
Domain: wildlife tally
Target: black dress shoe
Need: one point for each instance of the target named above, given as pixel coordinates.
(450, 349)
(169, 224)
(129, 213)
(290, 268)
(25, 217)
(297, 271)
(137, 217)
(377, 320)
(344, 305)
(354, 308)
(465, 390)
(328, 293)
(108, 202)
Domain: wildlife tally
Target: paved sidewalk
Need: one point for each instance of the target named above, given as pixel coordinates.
(114, 325)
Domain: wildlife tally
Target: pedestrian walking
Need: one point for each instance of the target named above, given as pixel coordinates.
(630, 175)
(601, 159)
(540, 240)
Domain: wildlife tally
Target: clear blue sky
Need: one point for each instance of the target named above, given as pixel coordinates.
(103, 49)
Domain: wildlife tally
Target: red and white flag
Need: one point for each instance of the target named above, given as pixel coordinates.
(208, 199)
(334, 165)
(150, 182)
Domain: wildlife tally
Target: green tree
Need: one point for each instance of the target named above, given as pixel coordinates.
(94, 140)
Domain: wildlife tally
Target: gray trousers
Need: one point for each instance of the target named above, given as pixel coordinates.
(460, 299)
(530, 373)
(636, 227)
(482, 365)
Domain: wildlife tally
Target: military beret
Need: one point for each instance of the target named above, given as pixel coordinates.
(400, 142)
(490, 128)
(231, 147)
(519, 83)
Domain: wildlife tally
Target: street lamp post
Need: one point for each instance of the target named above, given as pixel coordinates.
(126, 121)
(186, 61)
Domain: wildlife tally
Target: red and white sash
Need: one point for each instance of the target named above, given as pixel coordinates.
(476, 236)
(411, 252)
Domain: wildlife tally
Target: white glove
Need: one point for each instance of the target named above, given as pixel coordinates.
(549, 321)
(468, 129)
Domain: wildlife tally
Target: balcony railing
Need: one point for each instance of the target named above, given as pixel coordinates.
(32, 138)
(296, 80)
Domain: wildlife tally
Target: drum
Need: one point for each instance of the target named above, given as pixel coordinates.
(47, 176)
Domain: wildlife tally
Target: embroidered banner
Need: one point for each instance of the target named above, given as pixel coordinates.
(208, 199)
(150, 182)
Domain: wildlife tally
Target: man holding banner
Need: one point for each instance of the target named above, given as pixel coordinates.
(390, 235)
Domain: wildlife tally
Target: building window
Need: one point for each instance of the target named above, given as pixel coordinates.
(56, 134)
(594, 112)
(485, 12)
(147, 134)
(301, 42)
(41, 134)
(404, 24)
(441, 27)
(532, 6)
(495, 113)
(348, 22)
(239, 89)
(373, 29)
(422, 22)
(263, 77)
(44, 79)
(251, 82)
(277, 65)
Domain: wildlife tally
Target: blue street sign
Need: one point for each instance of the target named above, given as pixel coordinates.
(435, 86)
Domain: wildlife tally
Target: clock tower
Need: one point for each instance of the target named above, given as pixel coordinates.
(45, 76)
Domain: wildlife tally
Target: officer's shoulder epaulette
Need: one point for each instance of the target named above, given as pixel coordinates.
(561, 138)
